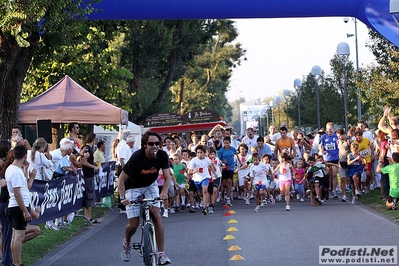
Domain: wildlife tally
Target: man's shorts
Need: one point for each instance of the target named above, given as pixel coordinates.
(89, 198)
(149, 192)
(17, 217)
(200, 184)
(227, 174)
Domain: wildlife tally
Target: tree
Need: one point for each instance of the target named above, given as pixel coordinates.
(379, 83)
(22, 23)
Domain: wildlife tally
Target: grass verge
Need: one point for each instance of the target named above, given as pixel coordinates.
(373, 200)
(50, 239)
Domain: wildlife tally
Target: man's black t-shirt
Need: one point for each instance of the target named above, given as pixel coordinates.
(142, 171)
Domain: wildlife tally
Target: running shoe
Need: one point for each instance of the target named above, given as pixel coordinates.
(204, 211)
(317, 198)
(358, 193)
(210, 210)
(297, 196)
(182, 207)
(257, 209)
(264, 201)
(163, 259)
(287, 208)
(125, 254)
(353, 200)
(228, 202)
(165, 213)
(172, 211)
(272, 200)
(301, 199)
(344, 199)
(247, 201)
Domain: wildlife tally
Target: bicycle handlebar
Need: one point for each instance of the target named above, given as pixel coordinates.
(139, 201)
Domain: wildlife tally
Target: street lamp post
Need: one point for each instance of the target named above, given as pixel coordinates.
(287, 95)
(343, 54)
(316, 72)
(271, 103)
(278, 101)
(266, 111)
(359, 103)
(297, 86)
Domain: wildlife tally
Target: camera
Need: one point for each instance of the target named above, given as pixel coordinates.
(346, 20)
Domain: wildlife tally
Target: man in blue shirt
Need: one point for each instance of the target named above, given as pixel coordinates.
(262, 148)
(329, 148)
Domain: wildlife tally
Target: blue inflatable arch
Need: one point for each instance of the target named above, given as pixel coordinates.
(373, 13)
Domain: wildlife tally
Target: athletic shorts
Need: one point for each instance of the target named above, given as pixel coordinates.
(182, 185)
(192, 186)
(359, 175)
(227, 174)
(215, 183)
(201, 184)
(322, 181)
(89, 198)
(149, 192)
(369, 166)
(17, 217)
(342, 172)
(283, 183)
(258, 187)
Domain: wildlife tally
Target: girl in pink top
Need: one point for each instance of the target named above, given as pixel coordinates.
(285, 177)
(299, 179)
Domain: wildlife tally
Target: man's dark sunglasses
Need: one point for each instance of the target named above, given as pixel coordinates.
(150, 143)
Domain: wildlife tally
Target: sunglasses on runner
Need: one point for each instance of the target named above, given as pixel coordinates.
(158, 143)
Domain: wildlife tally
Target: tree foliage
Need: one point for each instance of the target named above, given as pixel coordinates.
(22, 23)
(379, 83)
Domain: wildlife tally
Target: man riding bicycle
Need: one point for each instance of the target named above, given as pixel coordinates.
(138, 178)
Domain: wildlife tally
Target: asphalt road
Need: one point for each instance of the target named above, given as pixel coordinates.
(271, 237)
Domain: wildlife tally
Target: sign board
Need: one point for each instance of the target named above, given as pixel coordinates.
(200, 116)
(163, 119)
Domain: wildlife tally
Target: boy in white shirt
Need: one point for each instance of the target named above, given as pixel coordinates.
(258, 173)
(200, 167)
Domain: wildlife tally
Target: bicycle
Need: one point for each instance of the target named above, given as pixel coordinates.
(148, 248)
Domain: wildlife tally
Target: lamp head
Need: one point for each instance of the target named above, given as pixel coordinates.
(287, 93)
(343, 49)
(278, 100)
(297, 83)
(316, 70)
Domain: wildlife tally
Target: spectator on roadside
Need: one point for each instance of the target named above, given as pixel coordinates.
(17, 131)
(39, 157)
(99, 154)
(88, 168)
(74, 129)
(20, 199)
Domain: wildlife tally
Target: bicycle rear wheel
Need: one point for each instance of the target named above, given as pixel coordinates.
(149, 246)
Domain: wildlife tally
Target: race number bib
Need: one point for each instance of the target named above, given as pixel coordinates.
(330, 147)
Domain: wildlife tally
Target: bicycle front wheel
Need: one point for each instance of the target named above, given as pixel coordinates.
(149, 246)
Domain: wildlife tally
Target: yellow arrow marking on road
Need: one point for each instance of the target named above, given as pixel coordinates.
(232, 212)
(233, 248)
(232, 221)
(232, 229)
(237, 257)
(229, 237)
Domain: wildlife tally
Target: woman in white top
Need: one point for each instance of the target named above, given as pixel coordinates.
(39, 156)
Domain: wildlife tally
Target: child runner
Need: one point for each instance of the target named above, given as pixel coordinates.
(274, 187)
(285, 177)
(299, 179)
(226, 155)
(393, 172)
(258, 173)
(266, 159)
(242, 169)
(344, 150)
(213, 187)
(199, 167)
(179, 170)
(355, 169)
